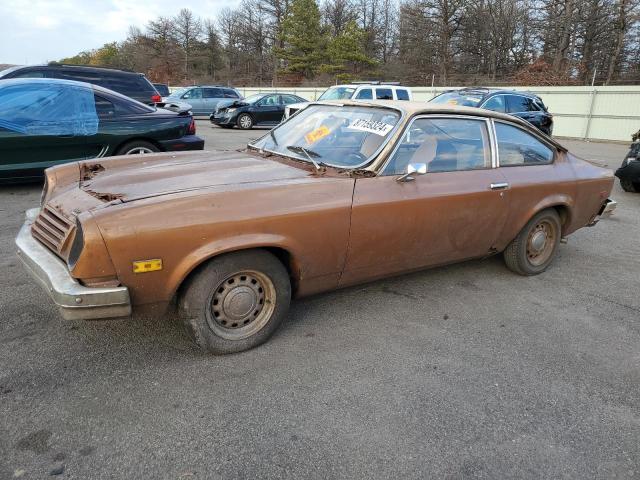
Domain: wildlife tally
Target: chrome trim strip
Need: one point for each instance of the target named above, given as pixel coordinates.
(436, 115)
(74, 300)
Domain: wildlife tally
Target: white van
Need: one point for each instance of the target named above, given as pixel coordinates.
(358, 91)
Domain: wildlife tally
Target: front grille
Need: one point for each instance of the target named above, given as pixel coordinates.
(52, 229)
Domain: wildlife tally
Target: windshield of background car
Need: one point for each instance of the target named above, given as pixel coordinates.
(456, 98)
(340, 136)
(177, 92)
(337, 93)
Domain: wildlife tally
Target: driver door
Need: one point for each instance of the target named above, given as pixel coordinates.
(453, 212)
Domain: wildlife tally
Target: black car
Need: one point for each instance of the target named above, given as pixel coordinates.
(163, 89)
(629, 171)
(525, 105)
(47, 122)
(131, 84)
(261, 109)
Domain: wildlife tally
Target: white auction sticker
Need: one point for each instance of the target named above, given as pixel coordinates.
(379, 128)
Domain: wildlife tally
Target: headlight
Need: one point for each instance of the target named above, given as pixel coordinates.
(631, 159)
(76, 246)
(231, 110)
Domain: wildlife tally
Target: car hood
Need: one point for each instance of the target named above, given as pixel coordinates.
(131, 178)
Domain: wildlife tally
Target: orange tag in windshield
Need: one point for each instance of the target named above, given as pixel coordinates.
(317, 134)
(452, 102)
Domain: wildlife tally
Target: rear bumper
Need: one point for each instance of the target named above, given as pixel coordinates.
(606, 210)
(188, 142)
(75, 301)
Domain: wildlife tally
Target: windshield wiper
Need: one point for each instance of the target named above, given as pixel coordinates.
(308, 153)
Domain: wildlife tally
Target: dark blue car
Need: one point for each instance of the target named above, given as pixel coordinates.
(525, 105)
(261, 109)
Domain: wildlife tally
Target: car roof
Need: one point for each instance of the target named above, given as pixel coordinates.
(368, 85)
(486, 91)
(84, 68)
(411, 108)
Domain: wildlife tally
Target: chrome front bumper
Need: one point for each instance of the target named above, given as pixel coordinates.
(74, 300)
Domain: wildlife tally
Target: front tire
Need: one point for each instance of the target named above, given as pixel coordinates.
(245, 121)
(236, 301)
(629, 186)
(137, 147)
(532, 251)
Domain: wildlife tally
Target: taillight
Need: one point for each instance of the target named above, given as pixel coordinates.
(192, 128)
(156, 98)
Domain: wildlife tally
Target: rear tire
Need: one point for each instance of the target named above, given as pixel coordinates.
(531, 252)
(236, 301)
(137, 147)
(629, 186)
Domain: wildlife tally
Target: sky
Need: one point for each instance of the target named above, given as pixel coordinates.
(38, 31)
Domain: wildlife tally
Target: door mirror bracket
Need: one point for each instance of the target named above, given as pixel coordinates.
(413, 168)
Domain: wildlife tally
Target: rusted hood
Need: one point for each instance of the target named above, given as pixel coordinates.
(154, 175)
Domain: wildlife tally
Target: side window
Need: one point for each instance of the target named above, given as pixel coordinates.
(384, 94)
(30, 74)
(364, 94)
(212, 93)
(194, 93)
(104, 108)
(496, 104)
(444, 145)
(228, 93)
(517, 147)
(269, 100)
(517, 103)
(402, 94)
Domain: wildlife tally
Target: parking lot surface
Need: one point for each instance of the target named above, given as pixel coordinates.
(465, 371)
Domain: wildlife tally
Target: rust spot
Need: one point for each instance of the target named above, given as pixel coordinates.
(105, 197)
(90, 171)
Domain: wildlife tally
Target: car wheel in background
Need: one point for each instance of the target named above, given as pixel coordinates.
(137, 147)
(245, 121)
(236, 301)
(531, 252)
(629, 186)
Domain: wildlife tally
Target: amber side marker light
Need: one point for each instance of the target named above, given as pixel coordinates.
(144, 266)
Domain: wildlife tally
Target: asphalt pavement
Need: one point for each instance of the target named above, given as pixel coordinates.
(462, 372)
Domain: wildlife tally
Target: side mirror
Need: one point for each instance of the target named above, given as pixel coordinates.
(413, 168)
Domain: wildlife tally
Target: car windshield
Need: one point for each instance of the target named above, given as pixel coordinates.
(339, 136)
(458, 98)
(177, 92)
(337, 93)
(251, 99)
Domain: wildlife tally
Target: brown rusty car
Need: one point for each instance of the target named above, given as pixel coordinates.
(337, 195)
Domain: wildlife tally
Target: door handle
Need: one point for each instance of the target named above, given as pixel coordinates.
(499, 186)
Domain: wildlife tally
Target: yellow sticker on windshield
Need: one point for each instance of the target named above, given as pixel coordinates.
(452, 102)
(320, 132)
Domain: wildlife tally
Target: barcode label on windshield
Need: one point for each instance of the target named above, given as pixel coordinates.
(379, 128)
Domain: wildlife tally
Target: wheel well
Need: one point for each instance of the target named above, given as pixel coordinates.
(564, 214)
(281, 254)
(143, 139)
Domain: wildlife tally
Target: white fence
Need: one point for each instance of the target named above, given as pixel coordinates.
(596, 113)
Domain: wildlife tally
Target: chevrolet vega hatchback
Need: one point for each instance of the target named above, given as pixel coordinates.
(379, 190)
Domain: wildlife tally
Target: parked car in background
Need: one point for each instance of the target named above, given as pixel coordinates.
(342, 193)
(261, 109)
(46, 122)
(358, 91)
(629, 171)
(163, 89)
(525, 105)
(204, 99)
(130, 84)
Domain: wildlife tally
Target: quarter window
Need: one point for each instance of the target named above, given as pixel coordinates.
(517, 147)
(402, 94)
(364, 94)
(384, 94)
(444, 145)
